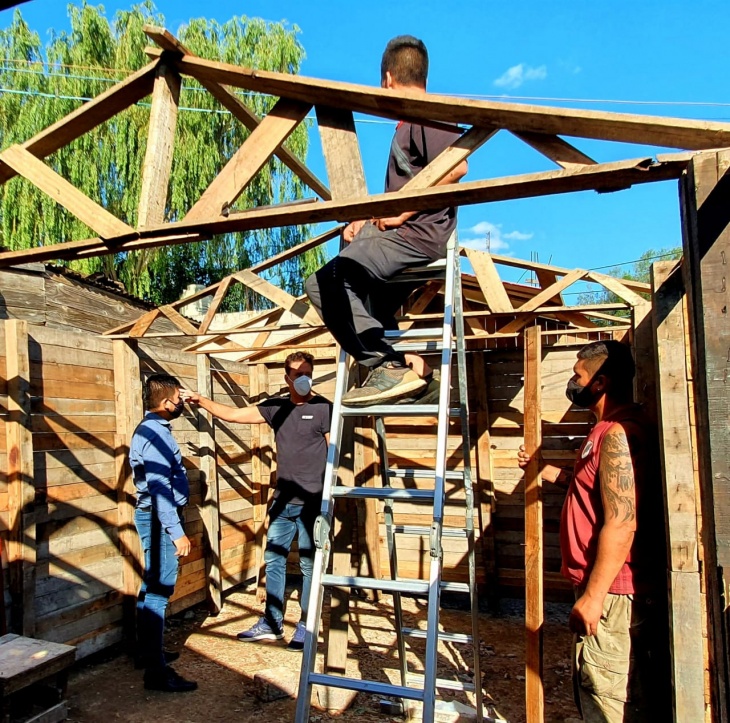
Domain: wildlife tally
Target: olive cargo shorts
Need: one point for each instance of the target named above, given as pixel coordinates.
(621, 674)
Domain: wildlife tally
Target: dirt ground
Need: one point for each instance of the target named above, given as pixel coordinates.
(110, 690)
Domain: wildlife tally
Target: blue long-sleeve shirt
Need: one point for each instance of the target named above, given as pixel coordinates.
(158, 471)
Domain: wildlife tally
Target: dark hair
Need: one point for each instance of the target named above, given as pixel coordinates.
(296, 356)
(615, 362)
(157, 388)
(406, 58)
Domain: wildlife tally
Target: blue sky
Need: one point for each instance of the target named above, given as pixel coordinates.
(662, 58)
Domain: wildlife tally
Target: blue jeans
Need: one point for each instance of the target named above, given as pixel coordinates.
(158, 584)
(286, 520)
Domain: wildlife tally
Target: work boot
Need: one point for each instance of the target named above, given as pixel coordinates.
(167, 681)
(386, 384)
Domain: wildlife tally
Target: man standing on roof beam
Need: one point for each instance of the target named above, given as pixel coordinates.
(351, 293)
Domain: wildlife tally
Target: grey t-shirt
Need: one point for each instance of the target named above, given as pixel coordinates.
(301, 449)
(412, 149)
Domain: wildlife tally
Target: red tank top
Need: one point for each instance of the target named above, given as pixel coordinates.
(582, 516)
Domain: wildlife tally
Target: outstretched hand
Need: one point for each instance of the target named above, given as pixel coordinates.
(190, 397)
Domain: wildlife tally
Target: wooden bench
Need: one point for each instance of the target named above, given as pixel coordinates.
(25, 662)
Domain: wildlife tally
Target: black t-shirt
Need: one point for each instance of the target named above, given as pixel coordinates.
(301, 449)
(412, 149)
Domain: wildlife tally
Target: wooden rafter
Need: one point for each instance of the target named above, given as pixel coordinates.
(88, 116)
(157, 164)
(167, 41)
(25, 164)
(489, 282)
(451, 157)
(213, 290)
(280, 297)
(556, 149)
(419, 107)
(528, 308)
(604, 177)
(248, 160)
(618, 287)
(341, 153)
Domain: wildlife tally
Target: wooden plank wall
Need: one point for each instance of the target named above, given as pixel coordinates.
(79, 586)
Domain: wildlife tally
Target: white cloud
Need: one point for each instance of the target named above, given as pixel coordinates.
(476, 237)
(518, 236)
(515, 76)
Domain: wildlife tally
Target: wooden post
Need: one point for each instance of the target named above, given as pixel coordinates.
(706, 240)
(21, 547)
(484, 477)
(685, 600)
(128, 395)
(209, 482)
(533, 529)
(160, 143)
(259, 495)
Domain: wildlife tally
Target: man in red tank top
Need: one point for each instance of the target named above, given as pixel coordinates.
(612, 544)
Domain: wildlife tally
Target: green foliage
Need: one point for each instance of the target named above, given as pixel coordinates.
(639, 271)
(47, 83)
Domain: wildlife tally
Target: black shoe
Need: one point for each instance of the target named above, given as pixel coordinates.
(385, 384)
(168, 681)
(141, 662)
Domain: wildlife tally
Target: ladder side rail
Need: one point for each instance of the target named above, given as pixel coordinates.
(322, 546)
(392, 551)
(434, 596)
(468, 484)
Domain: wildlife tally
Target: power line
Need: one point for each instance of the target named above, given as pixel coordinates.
(498, 97)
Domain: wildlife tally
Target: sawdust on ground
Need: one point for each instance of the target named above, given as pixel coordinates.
(110, 690)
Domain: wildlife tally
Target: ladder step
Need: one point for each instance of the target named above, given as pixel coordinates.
(415, 587)
(445, 637)
(381, 493)
(418, 587)
(397, 410)
(417, 530)
(413, 473)
(433, 333)
(366, 686)
(425, 346)
(441, 683)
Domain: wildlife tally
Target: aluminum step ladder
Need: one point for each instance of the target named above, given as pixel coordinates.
(446, 339)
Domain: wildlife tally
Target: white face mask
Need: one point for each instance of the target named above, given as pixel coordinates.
(302, 385)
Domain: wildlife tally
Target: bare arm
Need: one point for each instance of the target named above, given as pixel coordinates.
(618, 497)
(453, 176)
(559, 476)
(241, 415)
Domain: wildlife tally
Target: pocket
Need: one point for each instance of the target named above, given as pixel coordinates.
(605, 674)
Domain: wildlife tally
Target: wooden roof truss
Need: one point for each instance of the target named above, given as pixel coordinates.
(346, 198)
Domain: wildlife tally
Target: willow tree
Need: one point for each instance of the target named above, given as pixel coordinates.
(41, 84)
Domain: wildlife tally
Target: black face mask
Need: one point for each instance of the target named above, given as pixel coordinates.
(580, 396)
(175, 413)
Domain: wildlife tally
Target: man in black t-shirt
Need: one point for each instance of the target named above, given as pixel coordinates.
(301, 424)
(351, 293)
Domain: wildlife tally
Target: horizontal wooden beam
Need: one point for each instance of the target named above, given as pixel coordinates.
(89, 115)
(603, 177)
(415, 106)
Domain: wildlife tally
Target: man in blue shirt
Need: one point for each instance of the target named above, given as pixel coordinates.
(162, 492)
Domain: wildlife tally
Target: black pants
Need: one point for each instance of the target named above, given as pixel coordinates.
(354, 299)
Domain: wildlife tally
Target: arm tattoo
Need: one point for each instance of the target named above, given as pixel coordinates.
(616, 471)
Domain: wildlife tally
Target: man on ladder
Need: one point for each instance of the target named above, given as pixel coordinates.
(357, 295)
(381, 249)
